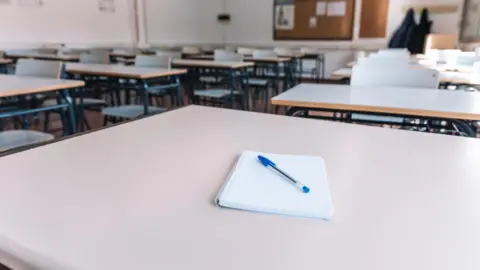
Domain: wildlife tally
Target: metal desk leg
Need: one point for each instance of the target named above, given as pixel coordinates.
(276, 71)
(234, 86)
(71, 114)
(145, 96)
(246, 88)
(179, 92)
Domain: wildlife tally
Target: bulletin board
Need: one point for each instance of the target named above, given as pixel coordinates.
(313, 19)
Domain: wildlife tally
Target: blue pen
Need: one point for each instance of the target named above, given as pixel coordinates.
(268, 163)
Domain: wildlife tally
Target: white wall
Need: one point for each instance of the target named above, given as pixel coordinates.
(252, 23)
(182, 21)
(66, 21)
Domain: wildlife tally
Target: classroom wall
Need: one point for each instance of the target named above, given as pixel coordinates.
(171, 22)
(252, 23)
(76, 22)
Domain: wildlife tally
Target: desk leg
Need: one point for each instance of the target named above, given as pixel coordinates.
(70, 110)
(234, 86)
(179, 92)
(145, 96)
(246, 88)
(276, 71)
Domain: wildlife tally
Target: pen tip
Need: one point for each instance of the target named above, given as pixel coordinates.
(306, 190)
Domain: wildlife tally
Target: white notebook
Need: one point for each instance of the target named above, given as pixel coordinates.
(254, 187)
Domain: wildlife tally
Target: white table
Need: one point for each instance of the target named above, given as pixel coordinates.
(403, 200)
(449, 77)
(397, 101)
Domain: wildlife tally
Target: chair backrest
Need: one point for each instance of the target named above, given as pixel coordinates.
(365, 75)
(39, 68)
(245, 51)
(282, 51)
(448, 56)
(101, 51)
(476, 67)
(171, 54)
(228, 57)
(394, 52)
(47, 50)
(221, 53)
(153, 61)
(191, 50)
(87, 58)
(467, 60)
(74, 51)
(383, 61)
(264, 54)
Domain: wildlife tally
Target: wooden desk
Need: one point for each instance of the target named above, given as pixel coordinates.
(247, 58)
(5, 61)
(146, 78)
(44, 56)
(11, 85)
(122, 71)
(448, 77)
(234, 71)
(151, 213)
(416, 102)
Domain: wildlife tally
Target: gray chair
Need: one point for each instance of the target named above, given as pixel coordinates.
(47, 51)
(220, 95)
(97, 58)
(134, 111)
(173, 55)
(153, 61)
(33, 68)
(39, 68)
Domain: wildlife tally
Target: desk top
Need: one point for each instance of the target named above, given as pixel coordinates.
(459, 77)
(4, 61)
(391, 100)
(11, 85)
(417, 211)
(59, 57)
(213, 64)
(124, 54)
(122, 71)
(247, 58)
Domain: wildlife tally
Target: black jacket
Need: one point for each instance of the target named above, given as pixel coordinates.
(401, 37)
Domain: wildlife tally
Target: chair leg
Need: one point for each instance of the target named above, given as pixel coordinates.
(46, 121)
(105, 120)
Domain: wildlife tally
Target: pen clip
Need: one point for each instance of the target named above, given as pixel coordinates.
(266, 162)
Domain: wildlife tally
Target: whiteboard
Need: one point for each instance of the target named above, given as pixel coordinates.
(66, 21)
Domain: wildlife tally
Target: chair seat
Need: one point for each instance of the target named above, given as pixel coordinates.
(214, 93)
(12, 139)
(257, 82)
(377, 118)
(130, 111)
(272, 74)
(210, 79)
(86, 102)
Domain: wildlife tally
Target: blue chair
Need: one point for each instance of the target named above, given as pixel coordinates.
(221, 95)
(17, 138)
(161, 90)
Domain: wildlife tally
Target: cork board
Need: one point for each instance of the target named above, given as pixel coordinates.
(313, 19)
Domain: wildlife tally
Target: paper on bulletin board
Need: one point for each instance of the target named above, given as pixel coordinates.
(285, 17)
(321, 8)
(106, 6)
(312, 22)
(337, 8)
